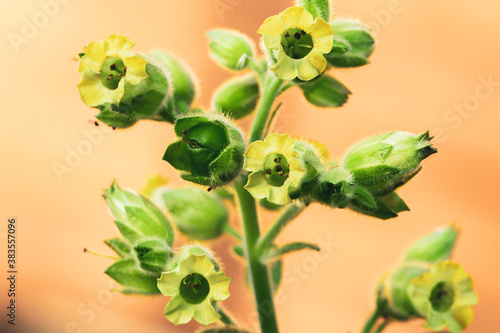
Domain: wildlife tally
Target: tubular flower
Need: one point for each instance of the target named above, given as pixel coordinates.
(298, 42)
(106, 67)
(192, 286)
(275, 168)
(444, 296)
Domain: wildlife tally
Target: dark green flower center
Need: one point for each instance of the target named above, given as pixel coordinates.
(296, 43)
(112, 71)
(194, 288)
(442, 296)
(276, 169)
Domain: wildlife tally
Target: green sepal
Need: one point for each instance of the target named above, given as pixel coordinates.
(382, 211)
(353, 44)
(433, 247)
(318, 8)
(114, 118)
(291, 247)
(230, 48)
(132, 278)
(238, 250)
(335, 188)
(181, 80)
(136, 216)
(393, 288)
(119, 246)
(237, 97)
(364, 197)
(81, 54)
(213, 156)
(223, 193)
(153, 255)
(325, 91)
(197, 214)
(394, 202)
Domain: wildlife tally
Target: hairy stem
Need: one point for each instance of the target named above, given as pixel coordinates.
(288, 215)
(258, 271)
(374, 317)
(224, 317)
(270, 88)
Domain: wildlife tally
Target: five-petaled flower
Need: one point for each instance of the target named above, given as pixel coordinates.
(298, 42)
(107, 68)
(275, 168)
(444, 296)
(193, 285)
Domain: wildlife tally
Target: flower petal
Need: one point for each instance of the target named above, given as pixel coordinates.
(257, 185)
(195, 264)
(169, 283)
(419, 291)
(117, 46)
(205, 314)
(285, 66)
(272, 29)
(436, 321)
(311, 66)
(254, 157)
(279, 195)
(296, 17)
(178, 311)
(219, 286)
(93, 93)
(93, 58)
(277, 143)
(460, 318)
(136, 69)
(322, 34)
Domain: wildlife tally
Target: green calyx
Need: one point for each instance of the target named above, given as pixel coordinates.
(112, 71)
(276, 169)
(194, 288)
(442, 296)
(296, 43)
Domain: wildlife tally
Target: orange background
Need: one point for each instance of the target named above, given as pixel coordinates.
(429, 57)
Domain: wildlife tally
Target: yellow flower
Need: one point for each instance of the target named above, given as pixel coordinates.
(444, 296)
(275, 168)
(106, 68)
(298, 42)
(192, 286)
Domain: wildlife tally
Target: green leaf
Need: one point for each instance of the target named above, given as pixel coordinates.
(318, 8)
(153, 255)
(364, 197)
(394, 202)
(434, 246)
(115, 119)
(295, 246)
(325, 91)
(133, 279)
(276, 274)
(119, 246)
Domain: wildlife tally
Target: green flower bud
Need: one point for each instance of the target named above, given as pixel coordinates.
(147, 100)
(353, 43)
(230, 48)
(309, 159)
(393, 288)
(153, 254)
(383, 163)
(182, 80)
(195, 249)
(318, 8)
(325, 91)
(145, 248)
(237, 97)
(210, 149)
(197, 214)
(434, 246)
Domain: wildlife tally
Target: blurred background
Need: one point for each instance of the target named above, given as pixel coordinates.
(435, 68)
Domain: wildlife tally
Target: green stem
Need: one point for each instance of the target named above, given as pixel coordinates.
(258, 271)
(285, 87)
(382, 326)
(223, 315)
(288, 215)
(270, 88)
(230, 230)
(374, 317)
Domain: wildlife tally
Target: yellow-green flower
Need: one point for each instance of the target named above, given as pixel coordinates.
(298, 42)
(444, 296)
(275, 168)
(192, 286)
(106, 67)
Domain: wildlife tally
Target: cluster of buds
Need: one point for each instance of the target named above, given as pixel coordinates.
(427, 285)
(147, 265)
